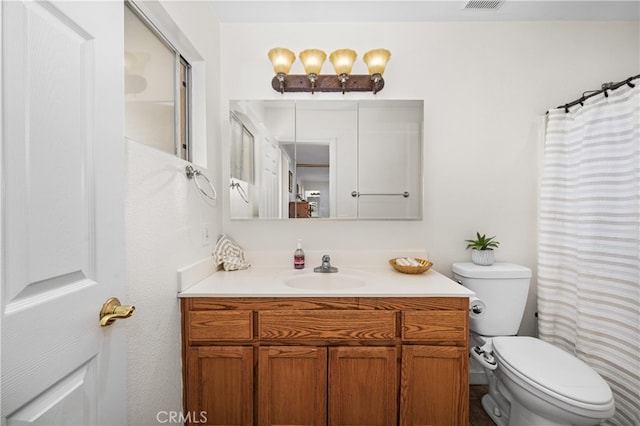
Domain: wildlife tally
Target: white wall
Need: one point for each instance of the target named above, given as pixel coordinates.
(486, 88)
(164, 217)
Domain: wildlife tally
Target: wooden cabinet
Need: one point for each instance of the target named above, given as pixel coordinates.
(220, 385)
(326, 361)
(363, 386)
(292, 383)
(434, 385)
(299, 209)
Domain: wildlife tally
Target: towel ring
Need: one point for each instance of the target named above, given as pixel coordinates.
(193, 174)
(240, 189)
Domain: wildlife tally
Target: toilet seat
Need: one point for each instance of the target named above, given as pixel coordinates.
(553, 371)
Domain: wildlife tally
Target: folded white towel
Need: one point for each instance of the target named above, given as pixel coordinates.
(407, 261)
(229, 254)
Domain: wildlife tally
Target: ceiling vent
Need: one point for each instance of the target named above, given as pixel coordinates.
(483, 4)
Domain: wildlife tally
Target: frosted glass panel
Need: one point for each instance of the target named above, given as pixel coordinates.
(150, 93)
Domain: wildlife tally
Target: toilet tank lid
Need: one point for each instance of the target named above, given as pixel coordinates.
(497, 270)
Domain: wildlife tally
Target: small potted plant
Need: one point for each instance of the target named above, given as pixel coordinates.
(482, 249)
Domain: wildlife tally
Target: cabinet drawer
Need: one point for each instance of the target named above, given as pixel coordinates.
(220, 325)
(429, 326)
(326, 324)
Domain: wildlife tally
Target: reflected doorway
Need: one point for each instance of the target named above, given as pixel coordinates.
(312, 176)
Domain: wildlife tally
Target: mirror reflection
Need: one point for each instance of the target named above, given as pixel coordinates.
(316, 159)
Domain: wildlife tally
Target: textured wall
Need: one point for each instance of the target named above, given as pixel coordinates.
(165, 213)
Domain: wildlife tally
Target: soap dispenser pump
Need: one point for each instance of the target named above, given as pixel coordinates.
(298, 256)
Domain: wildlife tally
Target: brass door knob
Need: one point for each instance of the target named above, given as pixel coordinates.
(113, 310)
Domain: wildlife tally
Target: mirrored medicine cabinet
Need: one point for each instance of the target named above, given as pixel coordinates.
(326, 159)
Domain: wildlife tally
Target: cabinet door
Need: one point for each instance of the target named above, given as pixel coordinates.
(434, 386)
(292, 385)
(219, 388)
(363, 386)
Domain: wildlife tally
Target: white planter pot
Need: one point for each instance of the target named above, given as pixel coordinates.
(482, 257)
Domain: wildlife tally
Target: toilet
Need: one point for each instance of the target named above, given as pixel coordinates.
(531, 382)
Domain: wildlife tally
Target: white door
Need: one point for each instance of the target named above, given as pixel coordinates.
(62, 212)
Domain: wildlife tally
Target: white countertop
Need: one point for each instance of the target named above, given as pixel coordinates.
(379, 281)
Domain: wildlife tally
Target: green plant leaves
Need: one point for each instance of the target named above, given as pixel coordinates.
(482, 242)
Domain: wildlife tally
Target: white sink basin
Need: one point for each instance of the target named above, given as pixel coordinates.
(328, 281)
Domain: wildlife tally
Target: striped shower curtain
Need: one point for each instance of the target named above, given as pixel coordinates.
(588, 240)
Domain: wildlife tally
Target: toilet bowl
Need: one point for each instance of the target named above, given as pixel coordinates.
(531, 382)
(547, 386)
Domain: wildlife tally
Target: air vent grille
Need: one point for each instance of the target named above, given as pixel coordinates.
(483, 4)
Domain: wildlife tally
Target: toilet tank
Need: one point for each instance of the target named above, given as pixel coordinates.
(503, 288)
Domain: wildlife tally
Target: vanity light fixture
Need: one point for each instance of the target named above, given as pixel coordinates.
(376, 61)
(342, 60)
(312, 59)
(281, 59)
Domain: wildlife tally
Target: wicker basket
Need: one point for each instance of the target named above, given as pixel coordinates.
(424, 266)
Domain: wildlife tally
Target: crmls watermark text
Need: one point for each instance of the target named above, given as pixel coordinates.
(178, 417)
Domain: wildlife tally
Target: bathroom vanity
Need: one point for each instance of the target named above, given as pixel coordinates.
(260, 348)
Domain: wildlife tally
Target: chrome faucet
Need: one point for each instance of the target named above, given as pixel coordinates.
(326, 265)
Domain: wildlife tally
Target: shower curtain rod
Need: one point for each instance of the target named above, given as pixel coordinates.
(605, 88)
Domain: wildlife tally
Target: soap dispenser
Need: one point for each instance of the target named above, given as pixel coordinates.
(298, 256)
